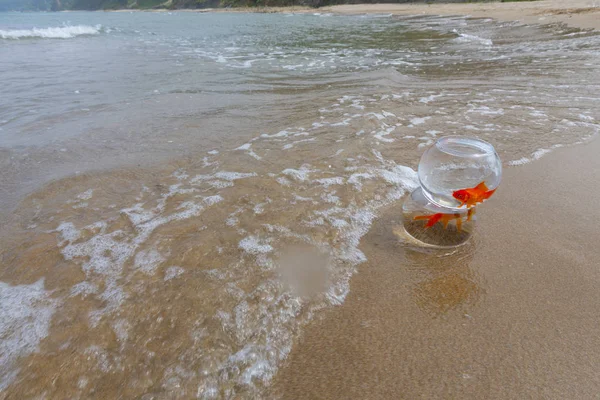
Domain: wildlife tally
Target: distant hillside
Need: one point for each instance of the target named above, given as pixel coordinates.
(27, 5)
(57, 5)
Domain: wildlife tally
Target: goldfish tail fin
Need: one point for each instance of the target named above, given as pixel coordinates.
(482, 187)
(488, 194)
(431, 219)
(459, 224)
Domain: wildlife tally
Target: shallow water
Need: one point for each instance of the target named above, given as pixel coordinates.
(211, 176)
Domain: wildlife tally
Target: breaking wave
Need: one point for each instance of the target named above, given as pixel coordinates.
(465, 37)
(63, 32)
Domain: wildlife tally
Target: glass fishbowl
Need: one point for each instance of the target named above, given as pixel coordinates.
(456, 174)
(457, 163)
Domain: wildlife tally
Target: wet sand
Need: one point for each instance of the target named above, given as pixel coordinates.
(513, 314)
(583, 14)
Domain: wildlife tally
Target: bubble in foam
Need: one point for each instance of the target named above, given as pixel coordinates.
(84, 289)
(173, 272)
(224, 176)
(283, 181)
(540, 153)
(86, 195)
(68, 231)
(212, 200)
(326, 182)
(103, 361)
(255, 245)
(148, 261)
(298, 174)
(520, 161)
(418, 121)
(248, 148)
(121, 328)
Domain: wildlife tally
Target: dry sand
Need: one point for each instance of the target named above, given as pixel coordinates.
(577, 13)
(515, 314)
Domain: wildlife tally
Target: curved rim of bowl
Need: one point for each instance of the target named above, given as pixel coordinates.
(485, 147)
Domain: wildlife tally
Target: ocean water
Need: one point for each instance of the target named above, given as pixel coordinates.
(180, 193)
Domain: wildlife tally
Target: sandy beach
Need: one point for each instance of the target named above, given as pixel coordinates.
(513, 314)
(583, 14)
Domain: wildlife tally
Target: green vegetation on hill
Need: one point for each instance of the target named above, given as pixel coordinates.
(56, 5)
(30, 5)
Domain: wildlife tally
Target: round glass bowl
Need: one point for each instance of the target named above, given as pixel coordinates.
(454, 163)
(436, 226)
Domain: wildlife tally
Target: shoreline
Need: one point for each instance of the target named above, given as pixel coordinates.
(583, 14)
(256, 10)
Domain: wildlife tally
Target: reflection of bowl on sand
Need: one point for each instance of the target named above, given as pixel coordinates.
(449, 282)
(445, 292)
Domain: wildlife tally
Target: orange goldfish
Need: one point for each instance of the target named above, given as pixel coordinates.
(445, 219)
(441, 217)
(472, 196)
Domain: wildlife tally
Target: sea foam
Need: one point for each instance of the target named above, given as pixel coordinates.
(465, 37)
(63, 32)
(25, 313)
